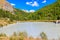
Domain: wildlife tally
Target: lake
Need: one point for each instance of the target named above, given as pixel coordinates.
(33, 29)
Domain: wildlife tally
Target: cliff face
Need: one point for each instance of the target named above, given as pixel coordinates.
(6, 5)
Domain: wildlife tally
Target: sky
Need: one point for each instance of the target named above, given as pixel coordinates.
(30, 5)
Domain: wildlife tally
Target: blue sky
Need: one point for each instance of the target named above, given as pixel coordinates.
(30, 5)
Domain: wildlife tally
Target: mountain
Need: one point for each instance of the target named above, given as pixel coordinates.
(51, 11)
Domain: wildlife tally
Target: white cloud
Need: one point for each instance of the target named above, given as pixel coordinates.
(12, 4)
(32, 10)
(28, 3)
(35, 3)
(44, 1)
(25, 10)
(29, 10)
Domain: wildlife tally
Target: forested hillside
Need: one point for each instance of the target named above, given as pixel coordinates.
(50, 12)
